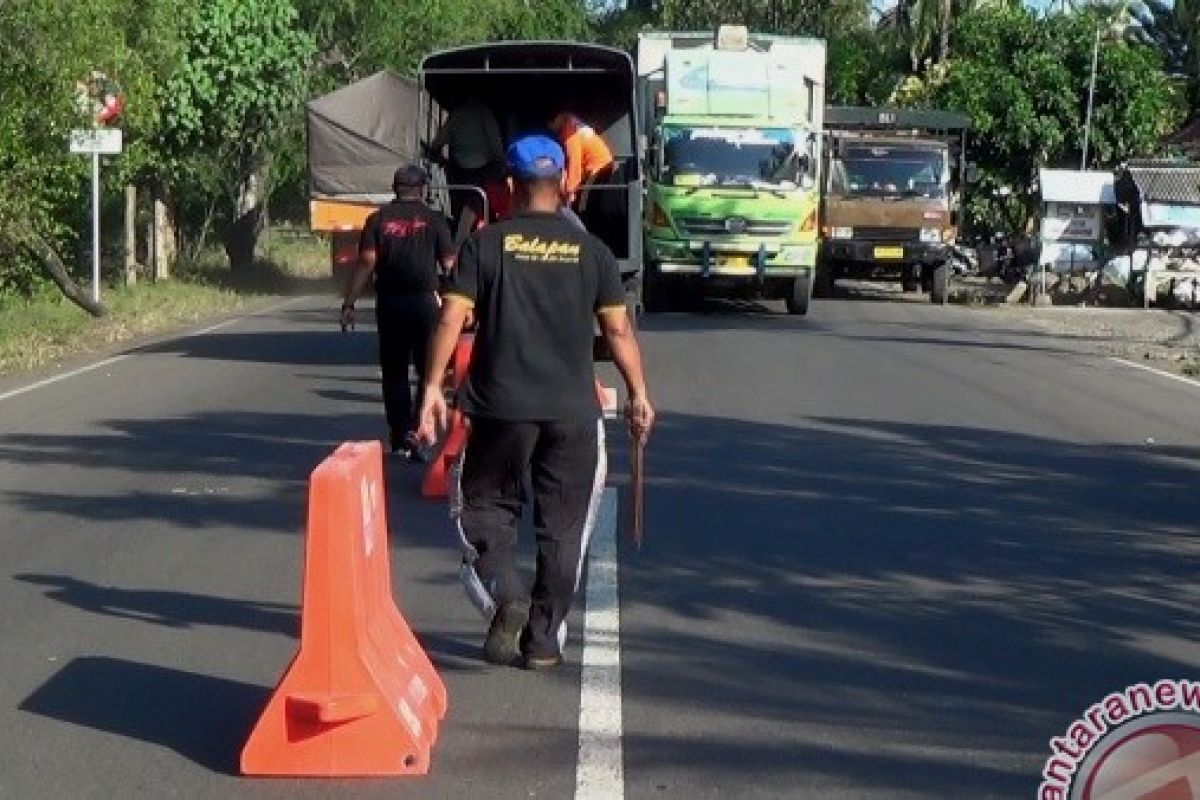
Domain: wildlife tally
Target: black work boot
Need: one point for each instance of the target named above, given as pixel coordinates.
(502, 644)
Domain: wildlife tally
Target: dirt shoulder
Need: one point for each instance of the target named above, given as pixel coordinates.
(46, 330)
(1164, 339)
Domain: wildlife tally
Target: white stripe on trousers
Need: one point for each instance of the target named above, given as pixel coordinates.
(589, 522)
(480, 597)
(476, 591)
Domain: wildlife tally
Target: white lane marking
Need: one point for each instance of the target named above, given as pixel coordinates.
(1154, 370)
(118, 358)
(600, 772)
(62, 377)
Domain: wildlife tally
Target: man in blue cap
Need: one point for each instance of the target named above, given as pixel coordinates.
(535, 283)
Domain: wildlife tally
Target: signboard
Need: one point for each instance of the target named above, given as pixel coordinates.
(1071, 222)
(99, 141)
(1163, 215)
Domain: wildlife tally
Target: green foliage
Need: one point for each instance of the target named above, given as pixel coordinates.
(864, 67)
(1024, 82)
(787, 17)
(358, 37)
(241, 75)
(1173, 29)
(46, 46)
(620, 28)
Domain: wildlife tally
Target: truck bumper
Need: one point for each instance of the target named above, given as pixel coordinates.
(731, 259)
(884, 254)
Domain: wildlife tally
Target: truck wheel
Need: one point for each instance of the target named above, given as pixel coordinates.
(940, 291)
(654, 290)
(802, 292)
(823, 283)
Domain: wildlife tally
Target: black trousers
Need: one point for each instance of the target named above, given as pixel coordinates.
(404, 322)
(567, 465)
(466, 205)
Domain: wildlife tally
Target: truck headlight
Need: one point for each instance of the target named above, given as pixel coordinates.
(931, 235)
(841, 233)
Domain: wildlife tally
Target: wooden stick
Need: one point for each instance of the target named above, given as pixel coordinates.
(637, 482)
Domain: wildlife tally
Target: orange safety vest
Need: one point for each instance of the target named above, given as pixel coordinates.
(586, 151)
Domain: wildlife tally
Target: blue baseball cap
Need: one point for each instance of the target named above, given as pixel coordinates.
(536, 156)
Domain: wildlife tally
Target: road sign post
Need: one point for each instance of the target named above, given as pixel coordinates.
(96, 142)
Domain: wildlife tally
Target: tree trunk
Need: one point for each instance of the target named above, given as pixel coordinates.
(249, 219)
(164, 244)
(131, 264)
(44, 252)
(947, 15)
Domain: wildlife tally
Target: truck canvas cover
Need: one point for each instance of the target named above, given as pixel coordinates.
(359, 134)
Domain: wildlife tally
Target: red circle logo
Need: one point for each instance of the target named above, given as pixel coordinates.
(1158, 761)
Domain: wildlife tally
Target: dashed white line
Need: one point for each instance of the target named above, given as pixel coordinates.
(1163, 373)
(600, 772)
(62, 376)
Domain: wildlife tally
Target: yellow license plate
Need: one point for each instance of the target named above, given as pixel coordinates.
(889, 252)
(734, 262)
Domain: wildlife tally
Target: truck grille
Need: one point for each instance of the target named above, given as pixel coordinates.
(887, 234)
(735, 226)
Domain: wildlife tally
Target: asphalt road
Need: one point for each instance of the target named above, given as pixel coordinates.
(891, 550)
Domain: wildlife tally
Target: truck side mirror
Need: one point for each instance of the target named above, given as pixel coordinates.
(804, 165)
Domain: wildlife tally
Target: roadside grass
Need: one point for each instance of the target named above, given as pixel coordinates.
(47, 328)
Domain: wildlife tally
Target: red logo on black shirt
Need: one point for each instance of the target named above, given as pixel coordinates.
(403, 228)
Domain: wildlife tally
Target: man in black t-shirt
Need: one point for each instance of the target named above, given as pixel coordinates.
(403, 245)
(535, 284)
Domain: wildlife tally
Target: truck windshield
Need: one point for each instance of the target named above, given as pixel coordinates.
(889, 172)
(729, 157)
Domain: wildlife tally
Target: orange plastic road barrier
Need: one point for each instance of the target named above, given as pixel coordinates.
(361, 697)
(436, 483)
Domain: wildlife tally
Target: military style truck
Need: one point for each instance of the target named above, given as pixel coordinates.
(732, 149)
(892, 196)
(525, 83)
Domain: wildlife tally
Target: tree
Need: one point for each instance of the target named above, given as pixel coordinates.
(358, 37)
(1023, 80)
(1174, 30)
(760, 16)
(242, 73)
(46, 47)
(864, 67)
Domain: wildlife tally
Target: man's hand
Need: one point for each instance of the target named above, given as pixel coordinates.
(347, 318)
(435, 417)
(640, 415)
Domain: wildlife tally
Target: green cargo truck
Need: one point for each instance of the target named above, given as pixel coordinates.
(732, 149)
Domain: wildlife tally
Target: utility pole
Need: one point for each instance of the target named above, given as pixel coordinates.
(1087, 123)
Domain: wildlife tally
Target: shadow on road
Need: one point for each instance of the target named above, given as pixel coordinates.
(202, 718)
(894, 605)
(167, 608)
(301, 348)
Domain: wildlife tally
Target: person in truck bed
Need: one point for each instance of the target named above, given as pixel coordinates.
(476, 150)
(589, 159)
